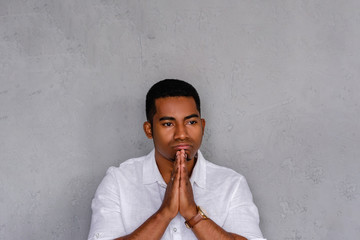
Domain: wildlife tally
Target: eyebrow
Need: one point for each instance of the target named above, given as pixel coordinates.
(172, 118)
(167, 118)
(192, 116)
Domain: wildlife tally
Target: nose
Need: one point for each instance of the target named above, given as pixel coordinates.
(180, 132)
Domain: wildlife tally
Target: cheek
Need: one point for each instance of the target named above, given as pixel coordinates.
(198, 134)
(162, 136)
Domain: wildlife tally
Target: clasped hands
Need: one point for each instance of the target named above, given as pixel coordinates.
(179, 195)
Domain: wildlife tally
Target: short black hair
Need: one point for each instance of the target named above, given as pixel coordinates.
(169, 88)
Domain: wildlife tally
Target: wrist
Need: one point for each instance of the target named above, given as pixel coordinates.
(165, 214)
(191, 212)
(201, 215)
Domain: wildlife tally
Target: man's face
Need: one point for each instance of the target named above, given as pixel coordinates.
(176, 125)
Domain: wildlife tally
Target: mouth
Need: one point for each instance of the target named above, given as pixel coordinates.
(182, 146)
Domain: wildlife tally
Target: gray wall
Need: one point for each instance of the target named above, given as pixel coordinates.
(279, 82)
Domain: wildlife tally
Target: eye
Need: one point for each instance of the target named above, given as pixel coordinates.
(167, 124)
(192, 122)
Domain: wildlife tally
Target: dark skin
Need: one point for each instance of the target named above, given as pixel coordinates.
(177, 133)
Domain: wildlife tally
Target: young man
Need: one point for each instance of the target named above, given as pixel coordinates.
(158, 196)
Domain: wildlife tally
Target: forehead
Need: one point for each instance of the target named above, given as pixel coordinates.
(172, 106)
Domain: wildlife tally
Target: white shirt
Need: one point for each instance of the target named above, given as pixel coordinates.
(130, 194)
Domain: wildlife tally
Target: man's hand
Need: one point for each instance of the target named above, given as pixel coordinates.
(179, 195)
(171, 203)
(187, 203)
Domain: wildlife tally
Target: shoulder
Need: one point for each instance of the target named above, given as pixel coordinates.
(214, 170)
(227, 181)
(224, 172)
(130, 169)
(132, 163)
(220, 178)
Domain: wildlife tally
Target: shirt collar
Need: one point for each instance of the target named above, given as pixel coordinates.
(198, 175)
(151, 173)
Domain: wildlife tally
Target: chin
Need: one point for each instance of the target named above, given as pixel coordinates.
(173, 158)
(194, 155)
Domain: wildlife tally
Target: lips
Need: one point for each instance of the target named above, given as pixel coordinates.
(182, 146)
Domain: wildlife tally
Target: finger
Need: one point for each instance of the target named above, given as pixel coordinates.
(176, 170)
(185, 156)
(183, 164)
(176, 183)
(177, 175)
(181, 160)
(175, 166)
(185, 171)
(182, 156)
(177, 159)
(179, 156)
(184, 177)
(176, 162)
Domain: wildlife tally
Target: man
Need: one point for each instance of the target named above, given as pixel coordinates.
(158, 196)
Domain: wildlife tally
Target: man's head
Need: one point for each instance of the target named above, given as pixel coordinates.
(174, 121)
(169, 88)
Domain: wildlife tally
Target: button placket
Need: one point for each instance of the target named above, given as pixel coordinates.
(175, 228)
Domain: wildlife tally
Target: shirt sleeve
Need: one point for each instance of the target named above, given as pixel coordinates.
(243, 215)
(106, 221)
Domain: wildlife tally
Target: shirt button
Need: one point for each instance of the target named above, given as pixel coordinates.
(174, 229)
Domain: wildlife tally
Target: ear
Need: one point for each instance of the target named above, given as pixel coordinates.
(203, 123)
(147, 130)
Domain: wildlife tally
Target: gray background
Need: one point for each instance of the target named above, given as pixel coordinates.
(279, 82)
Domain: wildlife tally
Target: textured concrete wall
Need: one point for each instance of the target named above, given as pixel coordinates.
(279, 82)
